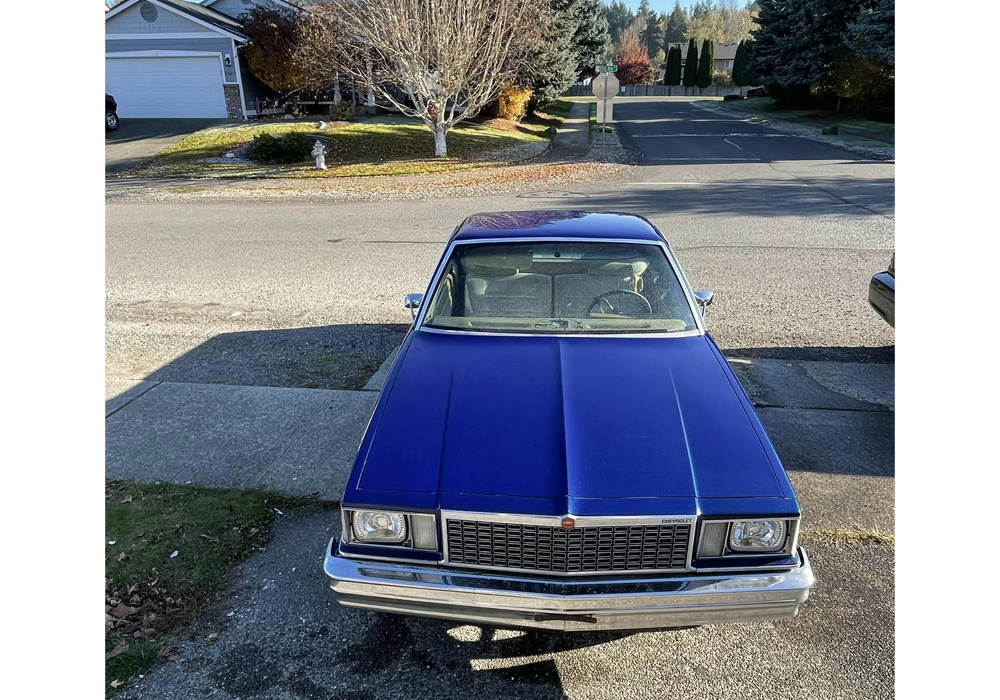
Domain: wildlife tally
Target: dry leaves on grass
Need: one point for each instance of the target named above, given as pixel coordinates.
(139, 611)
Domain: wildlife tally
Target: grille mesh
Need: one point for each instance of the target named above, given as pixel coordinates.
(580, 549)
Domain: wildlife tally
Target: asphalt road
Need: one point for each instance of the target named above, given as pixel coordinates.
(787, 236)
(788, 246)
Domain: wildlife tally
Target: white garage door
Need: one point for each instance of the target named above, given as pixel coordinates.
(166, 86)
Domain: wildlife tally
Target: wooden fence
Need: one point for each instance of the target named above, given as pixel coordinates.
(660, 90)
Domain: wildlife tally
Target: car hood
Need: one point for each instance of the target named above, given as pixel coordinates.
(564, 425)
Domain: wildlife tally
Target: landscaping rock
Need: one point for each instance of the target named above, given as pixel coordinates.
(831, 130)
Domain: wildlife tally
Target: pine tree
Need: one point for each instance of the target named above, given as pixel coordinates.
(797, 44)
(652, 34)
(676, 25)
(706, 64)
(592, 38)
(619, 16)
(574, 39)
(553, 64)
(872, 35)
(691, 64)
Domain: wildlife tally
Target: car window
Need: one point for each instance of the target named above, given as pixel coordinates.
(559, 287)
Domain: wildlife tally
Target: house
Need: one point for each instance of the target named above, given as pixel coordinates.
(171, 58)
(723, 55)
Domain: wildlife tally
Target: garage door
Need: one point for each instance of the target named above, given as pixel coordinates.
(162, 86)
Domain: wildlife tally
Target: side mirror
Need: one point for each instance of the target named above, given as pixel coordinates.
(413, 304)
(704, 299)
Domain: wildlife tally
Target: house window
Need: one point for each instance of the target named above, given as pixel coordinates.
(729, 65)
(148, 12)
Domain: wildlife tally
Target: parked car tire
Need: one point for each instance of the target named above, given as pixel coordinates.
(110, 120)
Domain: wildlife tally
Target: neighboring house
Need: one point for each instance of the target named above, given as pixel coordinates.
(723, 56)
(171, 58)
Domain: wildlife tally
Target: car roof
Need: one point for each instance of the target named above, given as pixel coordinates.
(545, 223)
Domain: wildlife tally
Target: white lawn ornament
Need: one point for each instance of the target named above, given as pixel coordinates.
(319, 153)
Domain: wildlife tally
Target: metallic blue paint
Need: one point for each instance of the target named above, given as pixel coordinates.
(551, 425)
(557, 224)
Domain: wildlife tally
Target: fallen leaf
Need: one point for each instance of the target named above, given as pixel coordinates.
(112, 541)
(121, 610)
(212, 638)
(127, 499)
(121, 646)
(174, 554)
(123, 556)
(210, 538)
(117, 683)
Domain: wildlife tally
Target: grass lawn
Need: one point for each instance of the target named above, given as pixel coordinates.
(768, 107)
(384, 145)
(173, 547)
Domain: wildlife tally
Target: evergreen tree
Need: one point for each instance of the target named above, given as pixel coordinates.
(672, 75)
(619, 16)
(675, 28)
(553, 63)
(872, 35)
(652, 34)
(740, 65)
(592, 38)
(796, 44)
(691, 64)
(706, 64)
(574, 40)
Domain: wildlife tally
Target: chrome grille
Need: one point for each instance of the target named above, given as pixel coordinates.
(577, 550)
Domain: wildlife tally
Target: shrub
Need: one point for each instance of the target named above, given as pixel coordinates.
(342, 112)
(634, 67)
(721, 77)
(266, 148)
(513, 104)
(862, 82)
(291, 148)
(296, 148)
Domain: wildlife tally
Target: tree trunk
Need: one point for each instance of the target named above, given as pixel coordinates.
(440, 132)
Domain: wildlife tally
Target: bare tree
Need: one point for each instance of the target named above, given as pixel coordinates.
(438, 60)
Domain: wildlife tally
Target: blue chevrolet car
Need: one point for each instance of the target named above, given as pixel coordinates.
(561, 445)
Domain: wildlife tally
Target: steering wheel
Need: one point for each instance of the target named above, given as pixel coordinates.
(601, 300)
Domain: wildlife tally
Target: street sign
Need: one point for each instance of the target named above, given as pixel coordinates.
(605, 87)
(611, 68)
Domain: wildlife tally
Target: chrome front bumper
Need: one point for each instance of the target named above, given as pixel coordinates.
(619, 603)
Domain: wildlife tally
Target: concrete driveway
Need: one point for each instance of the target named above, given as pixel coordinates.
(135, 140)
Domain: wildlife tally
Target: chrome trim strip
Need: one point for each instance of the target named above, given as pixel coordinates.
(623, 602)
(581, 521)
(677, 334)
(671, 260)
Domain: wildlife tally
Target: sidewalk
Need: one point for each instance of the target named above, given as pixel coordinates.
(572, 139)
(302, 442)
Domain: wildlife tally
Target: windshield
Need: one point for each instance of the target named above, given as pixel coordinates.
(559, 287)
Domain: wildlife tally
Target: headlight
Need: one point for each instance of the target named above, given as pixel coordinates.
(757, 535)
(379, 526)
